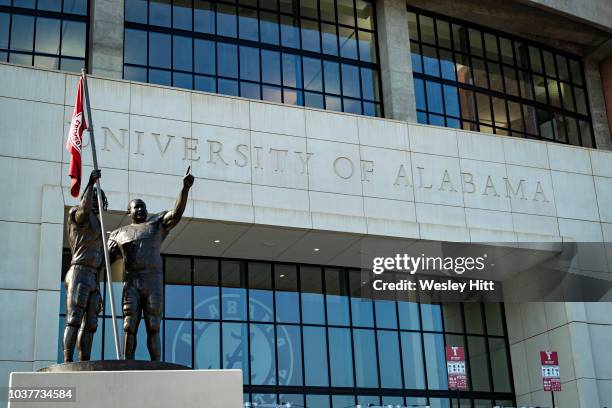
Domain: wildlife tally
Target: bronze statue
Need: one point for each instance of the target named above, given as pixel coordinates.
(83, 300)
(139, 244)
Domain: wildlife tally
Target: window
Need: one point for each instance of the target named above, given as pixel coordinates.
(307, 53)
(48, 34)
(310, 337)
(472, 78)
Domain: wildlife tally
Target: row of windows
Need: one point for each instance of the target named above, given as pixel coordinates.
(258, 51)
(451, 106)
(194, 14)
(471, 78)
(78, 7)
(448, 36)
(289, 326)
(51, 40)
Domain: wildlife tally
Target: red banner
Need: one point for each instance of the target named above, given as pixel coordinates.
(455, 366)
(551, 375)
(75, 141)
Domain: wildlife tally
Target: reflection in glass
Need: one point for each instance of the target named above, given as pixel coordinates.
(249, 64)
(366, 370)
(287, 296)
(336, 299)
(159, 13)
(205, 57)
(159, 50)
(436, 361)
(340, 360)
(313, 311)
(289, 350)
(270, 67)
(389, 362)
(203, 16)
(47, 36)
(292, 70)
(313, 74)
(268, 24)
(348, 42)
(178, 342)
(261, 307)
(290, 33)
(310, 36)
(412, 360)
(478, 364)
(178, 301)
(247, 24)
(226, 20)
(181, 14)
(22, 33)
(227, 60)
(315, 356)
(263, 357)
(207, 345)
(182, 53)
(235, 348)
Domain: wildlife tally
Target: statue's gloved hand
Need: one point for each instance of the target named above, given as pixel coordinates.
(94, 176)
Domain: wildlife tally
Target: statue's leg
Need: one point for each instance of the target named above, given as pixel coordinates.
(88, 326)
(131, 313)
(76, 301)
(152, 314)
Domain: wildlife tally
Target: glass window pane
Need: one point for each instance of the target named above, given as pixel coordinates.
(361, 307)
(333, 103)
(367, 46)
(47, 5)
(226, 20)
(48, 36)
(476, 47)
(549, 64)
(516, 118)
(436, 361)
(182, 53)
(460, 38)
(205, 83)
(452, 317)
(545, 123)
(567, 96)
(337, 299)
(366, 369)
(287, 295)
(159, 13)
(495, 77)
(290, 33)
(499, 112)
(525, 85)
(328, 10)
(553, 92)
(484, 109)
(313, 100)
(535, 60)
(499, 365)
(416, 57)
(463, 68)
(511, 81)
(435, 102)
(364, 14)
(182, 80)
(178, 301)
(261, 306)
(491, 47)
(4, 30)
(249, 63)
(181, 14)
(203, 16)
(576, 70)
(24, 3)
(562, 67)
(348, 42)
(572, 131)
(263, 356)
(46, 62)
(178, 342)
(204, 54)
(313, 78)
(250, 90)
(447, 65)
(233, 292)
(292, 70)
(289, 6)
(389, 363)
(329, 39)
(75, 7)
(268, 24)
(431, 65)
(136, 11)
(426, 25)
(507, 52)
(444, 36)
(386, 314)
(531, 123)
(135, 47)
(419, 91)
(352, 106)
(206, 302)
(473, 318)
(227, 60)
(480, 73)
(478, 364)
(248, 24)
(413, 32)
(289, 350)
(270, 66)
(206, 271)
(309, 8)
(412, 360)
(586, 133)
(494, 319)
(350, 81)
(319, 401)
(340, 357)
(468, 105)
(346, 12)
(431, 314)
(159, 50)
(157, 76)
(315, 356)
(235, 348)
(22, 33)
(451, 101)
(311, 40)
(311, 285)
(207, 345)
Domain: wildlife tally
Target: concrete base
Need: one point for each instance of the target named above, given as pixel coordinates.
(145, 389)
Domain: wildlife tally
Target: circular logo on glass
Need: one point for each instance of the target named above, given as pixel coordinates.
(235, 340)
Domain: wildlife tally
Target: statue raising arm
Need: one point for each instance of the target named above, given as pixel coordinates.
(171, 218)
(87, 199)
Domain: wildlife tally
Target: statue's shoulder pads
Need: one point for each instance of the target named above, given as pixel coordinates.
(155, 218)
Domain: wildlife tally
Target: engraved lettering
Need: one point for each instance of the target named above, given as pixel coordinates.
(215, 149)
(344, 171)
(108, 132)
(279, 159)
(446, 180)
(519, 188)
(367, 169)
(468, 179)
(243, 155)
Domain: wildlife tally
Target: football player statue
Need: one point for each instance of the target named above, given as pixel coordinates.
(139, 245)
(83, 300)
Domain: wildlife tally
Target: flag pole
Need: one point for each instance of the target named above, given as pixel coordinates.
(100, 207)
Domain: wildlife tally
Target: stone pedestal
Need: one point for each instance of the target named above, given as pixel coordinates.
(135, 388)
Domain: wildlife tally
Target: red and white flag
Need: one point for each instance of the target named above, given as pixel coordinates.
(75, 141)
